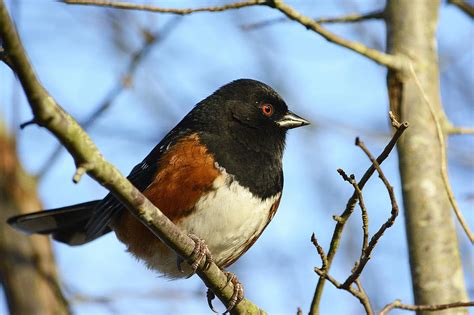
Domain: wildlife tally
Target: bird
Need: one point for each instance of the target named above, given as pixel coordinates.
(217, 175)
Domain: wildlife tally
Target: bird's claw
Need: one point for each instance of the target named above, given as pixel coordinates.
(237, 295)
(211, 296)
(201, 252)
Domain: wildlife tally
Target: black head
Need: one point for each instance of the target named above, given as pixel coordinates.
(244, 124)
(256, 105)
(246, 115)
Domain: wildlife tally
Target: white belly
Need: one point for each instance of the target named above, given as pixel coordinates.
(228, 217)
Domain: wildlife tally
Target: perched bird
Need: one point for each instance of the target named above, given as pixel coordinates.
(217, 175)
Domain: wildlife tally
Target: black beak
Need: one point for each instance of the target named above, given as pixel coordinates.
(291, 120)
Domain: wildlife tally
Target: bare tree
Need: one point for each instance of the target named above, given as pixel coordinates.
(414, 93)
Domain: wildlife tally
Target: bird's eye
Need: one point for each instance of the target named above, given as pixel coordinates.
(267, 109)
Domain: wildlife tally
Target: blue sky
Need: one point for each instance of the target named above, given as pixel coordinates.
(342, 93)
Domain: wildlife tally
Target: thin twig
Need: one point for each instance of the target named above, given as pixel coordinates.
(350, 18)
(151, 39)
(338, 229)
(360, 295)
(432, 308)
(360, 265)
(460, 131)
(443, 166)
(465, 6)
(360, 287)
(150, 8)
(365, 216)
(390, 61)
(322, 255)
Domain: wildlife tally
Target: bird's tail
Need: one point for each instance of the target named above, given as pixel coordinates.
(66, 225)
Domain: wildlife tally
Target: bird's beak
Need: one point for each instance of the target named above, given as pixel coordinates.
(291, 120)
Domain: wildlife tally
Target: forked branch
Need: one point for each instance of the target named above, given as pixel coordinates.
(342, 219)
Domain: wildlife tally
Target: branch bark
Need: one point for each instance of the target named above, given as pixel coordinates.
(388, 60)
(123, 82)
(151, 8)
(48, 114)
(435, 261)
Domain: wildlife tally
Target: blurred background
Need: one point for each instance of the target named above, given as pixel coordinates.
(129, 77)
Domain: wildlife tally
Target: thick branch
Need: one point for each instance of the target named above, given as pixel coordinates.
(390, 61)
(122, 83)
(4, 57)
(150, 8)
(435, 307)
(443, 160)
(51, 116)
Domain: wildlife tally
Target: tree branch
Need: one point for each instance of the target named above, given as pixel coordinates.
(359, 294)
(390, 61)
(350, 18)
(4, 57)
(151, 39)
(365, 217)
(342, 219)
(443, 167)
(367, 251)
(50, 115)
(465, 6)
(150, 8)
(435, 307)
(367, 248)
(460, 130)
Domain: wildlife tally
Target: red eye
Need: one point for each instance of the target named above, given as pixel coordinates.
(267, 109)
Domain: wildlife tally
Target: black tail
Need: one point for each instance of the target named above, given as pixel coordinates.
(67, 225)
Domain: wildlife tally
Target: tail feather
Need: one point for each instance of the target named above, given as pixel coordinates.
(67, 224)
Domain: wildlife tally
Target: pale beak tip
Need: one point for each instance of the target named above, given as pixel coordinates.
(291, 120)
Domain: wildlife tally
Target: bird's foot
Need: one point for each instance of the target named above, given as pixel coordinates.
(237, 295)
(200, 253)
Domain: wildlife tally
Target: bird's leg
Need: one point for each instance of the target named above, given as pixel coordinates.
(237, 295)
(201, 252)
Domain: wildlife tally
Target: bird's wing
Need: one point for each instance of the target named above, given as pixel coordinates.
(141, 176)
